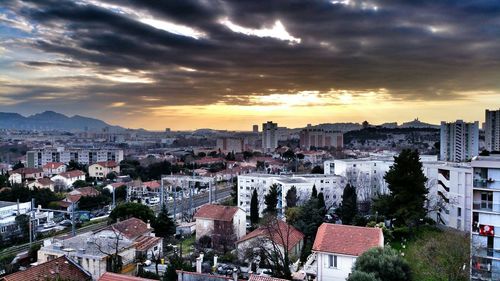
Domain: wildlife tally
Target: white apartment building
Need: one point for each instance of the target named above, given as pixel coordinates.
(492, 130)
(449, 184)
(459, 141)
(269, 136)
(332, 187)
(485, 239)
(39, 157)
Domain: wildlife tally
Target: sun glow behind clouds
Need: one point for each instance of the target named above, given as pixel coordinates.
(278, 31)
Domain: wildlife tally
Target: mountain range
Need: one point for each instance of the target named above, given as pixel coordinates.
(50, 120)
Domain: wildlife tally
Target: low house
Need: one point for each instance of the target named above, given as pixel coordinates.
(224, 224)
(66, 179)
(277, 234)
(25, 174)
(61, 268)
(53, 168)
(100, 170)
(42, 183)
(138, 232)
(336, 248)
(91, 251)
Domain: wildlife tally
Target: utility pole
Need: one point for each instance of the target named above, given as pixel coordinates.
(73, 224)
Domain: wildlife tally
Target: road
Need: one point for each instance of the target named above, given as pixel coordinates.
(198, 200)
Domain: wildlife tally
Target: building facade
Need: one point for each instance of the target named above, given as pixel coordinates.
(235, 145)
(485, 241)
(332, 187)
(269, 136)
(459, 141)
(318, 137)
(40, 157)
(492, 130)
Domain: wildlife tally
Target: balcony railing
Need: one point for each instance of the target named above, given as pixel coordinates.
(480, 183)
(485, 206)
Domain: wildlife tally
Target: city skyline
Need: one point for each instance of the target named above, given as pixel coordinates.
(223, 65)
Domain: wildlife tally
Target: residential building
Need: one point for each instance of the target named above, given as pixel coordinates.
(224, 224)
(319, 137)
(8, 213)
(336, 248)
(279, 235)
(61, 268)
(25, 174)
(100, 170)
(332, 187)
(255, 128)
(42, 183)
(53, 168)
(226, 145)
(66, 179)
(269, 136)
(485, 241)
(459, 141)
(89, 251)
(39, 157)
(492, 130)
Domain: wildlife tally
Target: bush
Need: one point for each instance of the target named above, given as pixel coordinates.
(400, 233)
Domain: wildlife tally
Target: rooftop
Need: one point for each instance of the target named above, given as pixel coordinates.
(108, 276)
(347, 239)
(281, 233)
(216, 212)
(130, 228)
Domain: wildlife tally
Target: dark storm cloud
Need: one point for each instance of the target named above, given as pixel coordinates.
(417, 50)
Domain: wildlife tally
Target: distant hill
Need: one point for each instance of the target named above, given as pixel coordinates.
(50, 120)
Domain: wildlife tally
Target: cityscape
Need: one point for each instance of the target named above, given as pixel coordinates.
(245, 140)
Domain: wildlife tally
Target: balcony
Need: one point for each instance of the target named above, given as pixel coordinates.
(487, 206)
(485, 183)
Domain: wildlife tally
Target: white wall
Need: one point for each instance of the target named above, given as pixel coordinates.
(340, 273)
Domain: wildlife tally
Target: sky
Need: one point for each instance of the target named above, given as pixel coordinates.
(230, 64)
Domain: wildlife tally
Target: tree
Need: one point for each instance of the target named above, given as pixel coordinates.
(440, 256)
(321, 204)
(288, 155)
(271, 200)
(317, 170)
(163, 225)
(314, 193)
(23, 222)
(79, 184)
(385, 264)
(362, 276)
(291, 197)
(406, 183)
(18, 165)
(234, 194)
(254, 208)
(111, 176)
(111, 248)
(128, 210)
(349, 207)
(93, 202)
(120, 193)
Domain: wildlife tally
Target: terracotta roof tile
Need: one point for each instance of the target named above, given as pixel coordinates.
(24, 171)
(281, 234)
(347, 239)
(108, 276)
(53, 165)
(107, 164)
(45, 181)
(60, 268)
(254, 277)
(144, 243)
(216, 212)
(130, 228)
(72, 174)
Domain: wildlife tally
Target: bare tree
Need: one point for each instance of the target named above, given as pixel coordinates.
(110, 246)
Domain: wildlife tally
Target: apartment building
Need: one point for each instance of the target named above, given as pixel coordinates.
(492, 130)
(269, 136)
(319, 137)
(332, 187)
(485, 241)
(226, 145)
(459, 141)
(39, 157)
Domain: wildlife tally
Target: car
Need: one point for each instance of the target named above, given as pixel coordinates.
(66, 223)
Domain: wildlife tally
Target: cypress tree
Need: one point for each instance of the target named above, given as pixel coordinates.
(254, 208)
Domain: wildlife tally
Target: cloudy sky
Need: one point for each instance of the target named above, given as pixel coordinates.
(230, 64)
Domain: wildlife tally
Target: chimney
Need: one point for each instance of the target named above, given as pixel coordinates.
(148, 225)
(199, 260)
(215, 260)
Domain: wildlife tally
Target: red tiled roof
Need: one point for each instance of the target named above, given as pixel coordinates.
(347, 239)
(216, 212)
(208, 160)
(53, 165)
(130, 228)
(195, 276)
(73, 197)
(60, 268)
(72, 174)
(108, 164)
(86, 191)
(108, 276)
(24, 171)
(144, 243)
(45, 181)
(151, 184)
(281, 234)
(254, 277)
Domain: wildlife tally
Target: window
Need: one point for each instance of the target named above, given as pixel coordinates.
(459, 210)
(332, 261)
